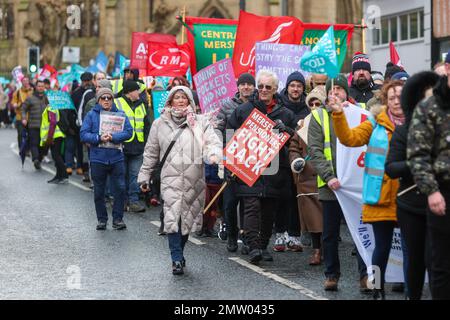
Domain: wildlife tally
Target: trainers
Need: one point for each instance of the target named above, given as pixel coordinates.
(79, 171)
(161, 231)
(55, 180)
(266, 256)
(294, 244)
(280, 243)
(46, 160)
(119, 225)
(37, 164)
(255, 256)
(316, 258)
(101, 226)
(63, 181)
(331, 284)
(69, 171)
(177, 268)
(86, 178)
(232, 245)
(222, 234)
(136, 207)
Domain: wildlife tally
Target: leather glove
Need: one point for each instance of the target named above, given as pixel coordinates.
(280, 126)
(298, 165)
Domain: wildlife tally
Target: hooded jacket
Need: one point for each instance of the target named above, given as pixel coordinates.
(364, 94)
(269, 186)
(299, 109)
(34, 106)
(396, 166)
(89, 133)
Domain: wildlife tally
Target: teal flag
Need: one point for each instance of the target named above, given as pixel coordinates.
(74, 74)
(323, 58)
(59, 100)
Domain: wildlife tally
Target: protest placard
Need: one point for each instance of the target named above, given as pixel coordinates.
(110, 122)
(159, 98)
(215, 85)
(253, 147)
(59, 100)
(282, 59)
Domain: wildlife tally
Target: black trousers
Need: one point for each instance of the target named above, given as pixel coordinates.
(258, 221)
(439, 231)
(413, 227)
(34, 136)
(57, 155)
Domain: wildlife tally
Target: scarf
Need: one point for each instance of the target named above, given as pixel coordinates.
(397, 121)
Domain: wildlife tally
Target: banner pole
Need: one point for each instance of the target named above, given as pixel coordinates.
(363, 36)
(183, 29)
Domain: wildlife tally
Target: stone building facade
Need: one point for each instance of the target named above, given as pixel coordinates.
(107, 24)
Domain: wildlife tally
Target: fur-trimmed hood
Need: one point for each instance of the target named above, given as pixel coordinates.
(414, 91)
(442, 93)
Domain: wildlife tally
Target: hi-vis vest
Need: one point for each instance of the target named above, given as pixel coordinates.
(45, 126)
(322, 117)
(374, 161)
(136, 118)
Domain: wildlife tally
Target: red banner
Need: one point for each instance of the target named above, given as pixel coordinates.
(139, 48)
(167, 59)
(253, 28)
(253, 147)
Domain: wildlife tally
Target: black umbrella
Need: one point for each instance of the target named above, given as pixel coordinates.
(24, 145)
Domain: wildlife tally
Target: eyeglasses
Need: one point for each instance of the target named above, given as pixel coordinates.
(106, 98)
(315, 104)
(262, 86)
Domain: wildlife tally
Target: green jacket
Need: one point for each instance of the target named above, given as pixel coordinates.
(315, 150)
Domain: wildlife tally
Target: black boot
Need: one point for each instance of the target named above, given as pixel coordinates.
(232, 245)
(379, 294)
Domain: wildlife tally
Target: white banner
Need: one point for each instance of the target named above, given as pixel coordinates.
(350, 171)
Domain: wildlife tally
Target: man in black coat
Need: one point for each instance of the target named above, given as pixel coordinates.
(362, 87)
(260, 200)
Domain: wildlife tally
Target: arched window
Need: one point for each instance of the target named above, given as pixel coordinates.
(6, 20)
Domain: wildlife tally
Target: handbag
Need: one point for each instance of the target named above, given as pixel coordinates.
(155, 178)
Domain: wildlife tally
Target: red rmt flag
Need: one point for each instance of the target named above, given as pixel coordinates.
(167, 59)
(253, 28)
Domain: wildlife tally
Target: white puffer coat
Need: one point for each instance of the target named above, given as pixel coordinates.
(183, 173)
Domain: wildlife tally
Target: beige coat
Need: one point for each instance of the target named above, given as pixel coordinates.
(183, 174)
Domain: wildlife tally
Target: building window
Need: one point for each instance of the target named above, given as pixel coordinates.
(6, 20)
(403, 27)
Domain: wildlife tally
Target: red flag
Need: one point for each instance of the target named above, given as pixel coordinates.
(139, 49)
(395, 58)
(167, 59)
(253, 28)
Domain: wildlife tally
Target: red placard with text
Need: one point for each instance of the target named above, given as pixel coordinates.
(253, 147)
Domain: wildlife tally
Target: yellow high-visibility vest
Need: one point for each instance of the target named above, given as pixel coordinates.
(135, 117)
(45, 126)
(322, 117)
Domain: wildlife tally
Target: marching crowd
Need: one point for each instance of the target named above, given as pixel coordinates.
(176, 161)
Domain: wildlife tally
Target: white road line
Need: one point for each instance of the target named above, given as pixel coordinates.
(277, 278)
(45, 168)
(191, 239)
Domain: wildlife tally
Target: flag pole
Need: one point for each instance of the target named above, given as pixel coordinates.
(363, 36)
(183, 16)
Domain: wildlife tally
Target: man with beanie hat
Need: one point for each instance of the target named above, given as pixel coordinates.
(286, 215)
(246, 90)
(131, 103)
(105, 160)
(322, 143)
(391, 69)
(362, 84)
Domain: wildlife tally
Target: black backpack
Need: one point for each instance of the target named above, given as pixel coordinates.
(68, 121)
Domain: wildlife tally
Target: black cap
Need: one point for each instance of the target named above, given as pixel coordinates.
(129, 86)
(87, 76)
(246, 78)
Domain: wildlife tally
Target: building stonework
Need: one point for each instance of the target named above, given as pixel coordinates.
(113, 21)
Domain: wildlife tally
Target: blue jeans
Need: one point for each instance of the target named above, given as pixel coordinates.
(332, 216)
(383, 232)
(99, 173)
(132, 166)
(177, 243)
(71, 150)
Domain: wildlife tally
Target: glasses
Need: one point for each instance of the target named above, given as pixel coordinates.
(262, 86)
(106, 98)
(315, 104)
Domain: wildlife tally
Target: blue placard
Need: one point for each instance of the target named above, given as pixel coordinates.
(159, 100)
(59, 100)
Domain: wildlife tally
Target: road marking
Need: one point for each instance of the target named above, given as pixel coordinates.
(191, 239)
(277, 278)
(45, 168)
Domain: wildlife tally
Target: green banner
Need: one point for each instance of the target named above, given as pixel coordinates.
(213, 43)
(311, 37)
